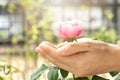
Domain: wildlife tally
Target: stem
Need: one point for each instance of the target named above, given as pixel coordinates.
(76, 40)
(72, 39)
(73, 76)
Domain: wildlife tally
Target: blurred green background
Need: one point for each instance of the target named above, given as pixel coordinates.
(24, 24)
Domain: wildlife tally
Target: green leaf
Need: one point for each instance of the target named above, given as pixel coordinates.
(98, 78)
(13, 69)
(1, 78)
(81, 78)
(38, 73)
(70, 79)
(117, 78)
(6, 69)
(53, 74)
(113, 73)
(64, 73)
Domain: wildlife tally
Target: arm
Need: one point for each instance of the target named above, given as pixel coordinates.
(83, 58)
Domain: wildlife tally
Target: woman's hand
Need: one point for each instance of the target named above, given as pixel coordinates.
(82, 58)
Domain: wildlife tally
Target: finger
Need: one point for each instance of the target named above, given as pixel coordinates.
(54, 54)
(80, 40)
(48, 49)
(74, 47)
(48, 43)
(50, 56)
(62, 44)
(53, 60)
(38, 50)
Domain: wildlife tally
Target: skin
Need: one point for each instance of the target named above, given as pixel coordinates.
(84, 57)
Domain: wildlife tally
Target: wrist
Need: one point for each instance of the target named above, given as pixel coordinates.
(116, 56)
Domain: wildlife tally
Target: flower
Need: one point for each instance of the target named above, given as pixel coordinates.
(69, 30)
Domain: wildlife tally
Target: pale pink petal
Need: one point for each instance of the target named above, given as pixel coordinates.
(69, 29)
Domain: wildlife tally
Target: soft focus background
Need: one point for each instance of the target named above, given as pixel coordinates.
(26, 23)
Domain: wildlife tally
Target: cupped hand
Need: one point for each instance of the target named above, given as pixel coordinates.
(82, 58)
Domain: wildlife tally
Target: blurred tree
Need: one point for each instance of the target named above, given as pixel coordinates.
(37, 21)
(109, 36)
(37, 26)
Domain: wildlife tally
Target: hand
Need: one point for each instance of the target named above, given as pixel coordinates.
(82, 58)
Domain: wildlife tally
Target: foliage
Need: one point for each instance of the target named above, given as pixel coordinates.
(39, 72)
(55, 73)
(37, 27)
(38, 21)
(109, 36)
(6, 71)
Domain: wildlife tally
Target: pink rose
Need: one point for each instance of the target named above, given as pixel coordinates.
(69, 30)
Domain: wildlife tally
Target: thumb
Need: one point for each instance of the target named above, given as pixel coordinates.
(62, 44)
(73, 48)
